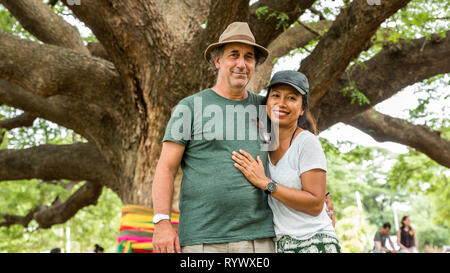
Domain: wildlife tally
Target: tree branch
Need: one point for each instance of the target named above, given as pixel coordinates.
(86, 119)
(385, 74)
(294, 37)
(133, 32)
(59, 212)
(40, 20)
(221, 14)
(192, 13)
(385, 128)
(49, 70)
(265, 30)
(80, 161)
(346, 38)
(24, 120)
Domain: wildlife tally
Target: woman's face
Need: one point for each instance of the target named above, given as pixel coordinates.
(284, 105)
(406, 222)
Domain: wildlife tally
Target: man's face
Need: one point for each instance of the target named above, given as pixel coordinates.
(386, 230)
(236, 66)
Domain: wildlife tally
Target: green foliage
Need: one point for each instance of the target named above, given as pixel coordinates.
(434, 236)
(9, 24)
(418, 174)
(355, 94)
(266, 13)
(420, 18)
(354, 232)
(361, 169)
(91, 225)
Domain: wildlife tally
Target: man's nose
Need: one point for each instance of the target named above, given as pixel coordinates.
(240, 62)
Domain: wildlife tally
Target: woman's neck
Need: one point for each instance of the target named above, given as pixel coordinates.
(285, 133)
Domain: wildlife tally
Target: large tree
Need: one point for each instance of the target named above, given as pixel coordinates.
(118, 92)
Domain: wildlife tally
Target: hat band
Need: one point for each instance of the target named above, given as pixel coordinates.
(239, 37)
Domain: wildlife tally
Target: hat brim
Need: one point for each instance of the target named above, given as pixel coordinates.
(264, 52)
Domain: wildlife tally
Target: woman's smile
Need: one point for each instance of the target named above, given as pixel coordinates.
(280, 113)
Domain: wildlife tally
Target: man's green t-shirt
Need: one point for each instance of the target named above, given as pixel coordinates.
(217, 203)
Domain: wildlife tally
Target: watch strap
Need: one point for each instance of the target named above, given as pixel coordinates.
(159, 217)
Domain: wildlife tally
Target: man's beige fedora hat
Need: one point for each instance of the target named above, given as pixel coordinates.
(237, 32)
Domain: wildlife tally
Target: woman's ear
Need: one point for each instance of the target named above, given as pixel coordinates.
(302, 112)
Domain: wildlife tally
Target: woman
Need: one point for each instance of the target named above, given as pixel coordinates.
(297, 168)
(406, 237)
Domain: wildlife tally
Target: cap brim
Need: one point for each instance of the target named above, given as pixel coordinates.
(262, 50)
(301, 91)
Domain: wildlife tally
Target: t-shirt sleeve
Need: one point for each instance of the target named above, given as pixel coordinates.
(179, 127)
(377, 237)
(311, 155)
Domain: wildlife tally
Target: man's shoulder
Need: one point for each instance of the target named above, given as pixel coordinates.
(255, 96)
(190, 99)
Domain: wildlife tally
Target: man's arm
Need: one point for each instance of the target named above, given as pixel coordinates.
(378, 243)
(165, 239)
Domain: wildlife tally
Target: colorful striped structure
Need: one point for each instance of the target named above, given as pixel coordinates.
(136, 229)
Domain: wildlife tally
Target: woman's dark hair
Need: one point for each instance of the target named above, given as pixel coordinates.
(305, 121)
(98, 248)
(403, 219)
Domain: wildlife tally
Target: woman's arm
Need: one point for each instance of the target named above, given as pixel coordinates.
(309, 200)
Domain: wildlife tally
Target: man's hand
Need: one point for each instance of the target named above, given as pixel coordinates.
(165, 239)
(330, 208)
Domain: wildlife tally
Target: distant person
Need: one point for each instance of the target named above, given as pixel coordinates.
(55, 250)
(98, 249)
(380, 240)
(406, 237)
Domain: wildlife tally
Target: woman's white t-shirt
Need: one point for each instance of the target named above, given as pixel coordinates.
(304, 154)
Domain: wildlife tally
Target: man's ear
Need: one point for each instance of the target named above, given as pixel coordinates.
(217, 62)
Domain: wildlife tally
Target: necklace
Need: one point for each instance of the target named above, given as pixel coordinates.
(292, 137)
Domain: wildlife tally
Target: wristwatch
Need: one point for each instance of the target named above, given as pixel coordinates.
(158, 217)
(271, 187)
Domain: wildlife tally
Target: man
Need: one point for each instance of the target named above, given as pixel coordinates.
(219, 210)
(380, 240)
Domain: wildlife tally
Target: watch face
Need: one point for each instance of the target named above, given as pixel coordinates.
(271, 186)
